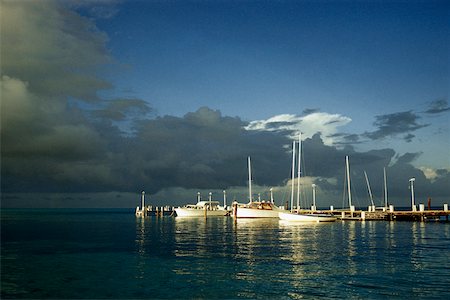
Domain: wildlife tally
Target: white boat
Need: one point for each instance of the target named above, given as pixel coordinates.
(255, 209)
(202, 209)
(297, 216)
(313, 217)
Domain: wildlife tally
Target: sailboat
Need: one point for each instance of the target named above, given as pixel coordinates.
(255, 209)
(295, 216)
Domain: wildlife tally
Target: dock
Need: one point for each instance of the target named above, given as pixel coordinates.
(392, 215)
(160, 211)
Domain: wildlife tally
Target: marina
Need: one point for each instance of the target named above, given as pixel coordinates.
(268, 210)
(390, 214)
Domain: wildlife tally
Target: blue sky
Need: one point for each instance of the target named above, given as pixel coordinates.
(289, 55)
(172, 96)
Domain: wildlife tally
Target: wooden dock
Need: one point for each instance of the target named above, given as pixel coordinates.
(427, 215)
(387, 215)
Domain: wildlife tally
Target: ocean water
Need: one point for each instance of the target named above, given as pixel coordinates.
(97, 254)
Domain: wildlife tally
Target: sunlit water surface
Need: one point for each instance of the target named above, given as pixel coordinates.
(112, 254)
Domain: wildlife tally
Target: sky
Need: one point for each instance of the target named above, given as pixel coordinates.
(101, 99)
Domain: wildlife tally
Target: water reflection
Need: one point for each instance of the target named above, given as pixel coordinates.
(255, 243)
(272, 258)
(140, 248)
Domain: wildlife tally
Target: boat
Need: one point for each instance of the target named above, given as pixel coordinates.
(298, 216)
(202, 209)
(312, 217)
(255, 209)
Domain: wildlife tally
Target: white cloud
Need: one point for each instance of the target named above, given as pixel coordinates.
(429, 173)
(325, 123)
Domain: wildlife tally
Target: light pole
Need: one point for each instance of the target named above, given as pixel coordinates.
(411, 182)
(314, 197)
(225, 199)
(198, 197)
(143, 204)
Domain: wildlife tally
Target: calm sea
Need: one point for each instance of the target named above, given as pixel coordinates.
(68, 254)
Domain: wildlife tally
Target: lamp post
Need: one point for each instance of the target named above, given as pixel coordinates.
(143, 204)
(314, 197)
(198, 197)
(271, 195)
(411, 182)
(225, 199)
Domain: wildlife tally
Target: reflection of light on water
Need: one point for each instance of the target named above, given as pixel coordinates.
(254, 241)
(190, 236)
(307, 253)
(418, 235)
(141, 244)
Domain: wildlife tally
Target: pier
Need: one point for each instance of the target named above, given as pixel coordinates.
(160, 211)
(390, 214)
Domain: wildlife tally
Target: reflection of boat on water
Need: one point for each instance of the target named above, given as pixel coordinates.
(297, 216)
(201, 209)
(255, 209)
(314, 217)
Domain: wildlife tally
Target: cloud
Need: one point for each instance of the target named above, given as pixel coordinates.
(391, 125)
(309, 125)
(438, 106)
(119, 109)
(53, 49)
(308, 111)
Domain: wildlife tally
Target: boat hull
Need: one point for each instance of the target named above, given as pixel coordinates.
(183, 212)
(287, 216)
(244, 212)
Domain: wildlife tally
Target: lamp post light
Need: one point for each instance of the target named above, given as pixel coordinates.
(225, 199)
(314, 197)
(413, 205)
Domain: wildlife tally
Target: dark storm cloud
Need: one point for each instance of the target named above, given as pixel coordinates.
(205, 149)
(391, 125)
(119, 109)
(56, 51)
(438, 106)
(408, 158)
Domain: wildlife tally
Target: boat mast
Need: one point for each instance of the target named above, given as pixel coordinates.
(368, 187)
(250, 180)
(385, 189)
(348, 182)
(298, 170)
(293, 175)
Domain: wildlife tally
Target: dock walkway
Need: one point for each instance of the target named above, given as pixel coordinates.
(360, 215)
